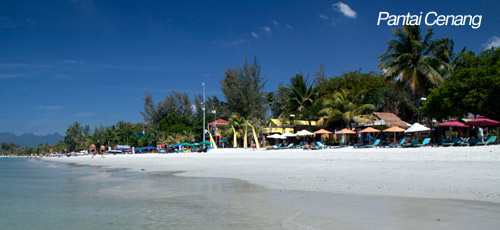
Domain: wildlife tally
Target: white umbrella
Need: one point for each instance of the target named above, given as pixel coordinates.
(417, 128)
(304, 133)
(274, 136)
(287, 134)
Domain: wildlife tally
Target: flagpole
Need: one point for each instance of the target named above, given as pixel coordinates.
(203, 108)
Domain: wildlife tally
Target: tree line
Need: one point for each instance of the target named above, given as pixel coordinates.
(414, 66)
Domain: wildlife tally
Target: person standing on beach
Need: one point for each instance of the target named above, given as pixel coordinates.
(102, 151)
(92, 150)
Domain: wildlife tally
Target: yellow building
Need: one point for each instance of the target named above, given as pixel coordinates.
(278, 126)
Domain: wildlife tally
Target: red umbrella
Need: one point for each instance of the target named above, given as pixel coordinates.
(453, 123)
(482, 121)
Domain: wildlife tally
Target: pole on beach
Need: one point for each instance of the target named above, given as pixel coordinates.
(203, 108)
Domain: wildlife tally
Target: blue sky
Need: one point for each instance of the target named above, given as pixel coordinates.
(92, 61)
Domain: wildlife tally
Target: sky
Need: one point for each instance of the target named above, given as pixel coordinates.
(93, 61)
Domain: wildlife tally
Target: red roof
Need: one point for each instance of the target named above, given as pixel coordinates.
(219, 122)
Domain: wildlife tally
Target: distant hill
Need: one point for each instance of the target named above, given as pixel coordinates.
(30, 139)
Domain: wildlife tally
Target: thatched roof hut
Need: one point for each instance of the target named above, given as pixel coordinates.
(389, 119)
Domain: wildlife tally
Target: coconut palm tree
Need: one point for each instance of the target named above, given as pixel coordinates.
(238, 123)
(342, 105)
(410, 59)
(301, 96)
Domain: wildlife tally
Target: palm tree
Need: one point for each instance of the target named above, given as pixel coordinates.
(412, 60)
(239, 124)
(343, 106)
(301, 96)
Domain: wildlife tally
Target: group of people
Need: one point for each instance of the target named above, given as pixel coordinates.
(94, 151)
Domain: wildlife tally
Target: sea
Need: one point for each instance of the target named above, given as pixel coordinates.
(39, 194)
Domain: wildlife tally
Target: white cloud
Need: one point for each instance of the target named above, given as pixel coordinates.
(492, 42)
(344, 9)
(322, 16)
(69, 61)
(255, 35)
(289, 27)
(276, 23)
(267, 29)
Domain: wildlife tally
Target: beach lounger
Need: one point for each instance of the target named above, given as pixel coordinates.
(455, 141)
(360, 145)
(490, 140)
(320, 145)
(424, 143)
(278, 146)
(289, 146)
(401, 142)
(471, 142)
(441, 142)
(376, 143)
(411, 144)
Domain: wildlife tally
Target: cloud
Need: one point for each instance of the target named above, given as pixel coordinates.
(266, 28)
(6, 23)
(492, 42)
(5, 76)
(232, 43)
(322, 16)
(50, 107)
(276, 23)
(255, 35)
(344, 9)
(69, 61)
(289, 27)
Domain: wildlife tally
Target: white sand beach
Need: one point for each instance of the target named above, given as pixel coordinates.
(466, 173)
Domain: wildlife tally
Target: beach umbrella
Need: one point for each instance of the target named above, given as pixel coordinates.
(274, 136)
(483, 121)
(304, 133)
(394, 129)
(345, 131)
(288, 134)
(322, 131)
(370, 130)
(177, 145)
(453, 123)
(416, 128)
(205, 142)
(222, 141)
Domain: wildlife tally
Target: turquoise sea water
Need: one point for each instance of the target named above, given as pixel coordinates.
(43, 195)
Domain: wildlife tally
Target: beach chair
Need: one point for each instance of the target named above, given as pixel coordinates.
(490, 140)
(441, 142)
(401, 142)
(424, 143)
(411, 144)
(320, 145)
(289, 146)
(471, 142)
(376, 143)
(359, 145)
(455, 141)
(278, 146)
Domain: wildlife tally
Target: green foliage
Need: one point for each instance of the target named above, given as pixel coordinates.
(474, 88)
(242, 87)
(411, 59)
(344, 105)
(175, 123)
(300, 98)
(77, 137)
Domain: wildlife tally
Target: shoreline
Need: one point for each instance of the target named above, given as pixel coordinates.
(461, 173)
